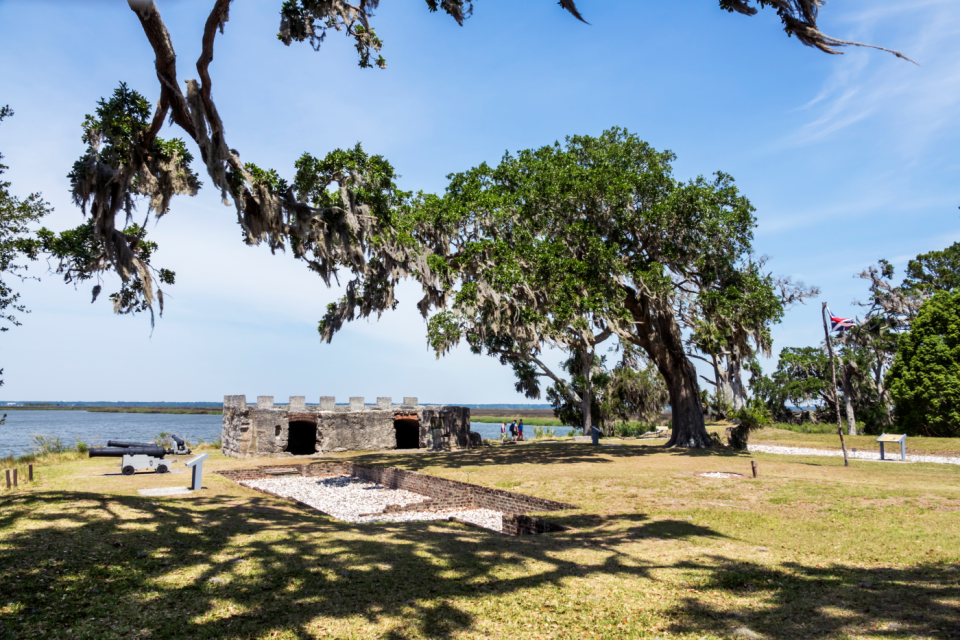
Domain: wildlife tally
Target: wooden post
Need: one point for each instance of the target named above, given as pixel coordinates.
(30, 468)
(753, 466)
(14, 478)
(833, 373)
(8, 478)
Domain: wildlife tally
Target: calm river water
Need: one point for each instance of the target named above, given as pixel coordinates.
(96, 428)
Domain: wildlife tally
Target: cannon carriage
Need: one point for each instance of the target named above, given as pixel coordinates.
(141, 455)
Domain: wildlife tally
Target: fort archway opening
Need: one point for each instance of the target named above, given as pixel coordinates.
(408, 432)
(302, 438)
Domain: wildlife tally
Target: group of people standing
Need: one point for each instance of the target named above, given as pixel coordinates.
(515, 429)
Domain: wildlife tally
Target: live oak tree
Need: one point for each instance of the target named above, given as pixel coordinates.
(126, 160)
(567, 243)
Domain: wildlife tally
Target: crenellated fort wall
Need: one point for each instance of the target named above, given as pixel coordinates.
(266, 429)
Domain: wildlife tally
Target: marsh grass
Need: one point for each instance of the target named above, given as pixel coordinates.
(809, 550)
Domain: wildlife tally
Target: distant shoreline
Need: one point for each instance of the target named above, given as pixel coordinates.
(533, 417)
(174, 410)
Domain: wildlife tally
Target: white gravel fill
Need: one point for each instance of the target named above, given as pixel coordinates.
(861, 455)
(346, 498)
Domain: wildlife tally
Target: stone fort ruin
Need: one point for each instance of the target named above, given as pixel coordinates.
(297, 429)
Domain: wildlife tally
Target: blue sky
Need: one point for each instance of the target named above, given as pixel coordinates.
(847, 159)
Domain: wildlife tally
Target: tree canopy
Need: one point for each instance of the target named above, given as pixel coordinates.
(934, 271)
(570, 243)
(126, 159)
(924, 380)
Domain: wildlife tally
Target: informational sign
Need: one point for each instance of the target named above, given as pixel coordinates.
(197, 464)
(896, 438)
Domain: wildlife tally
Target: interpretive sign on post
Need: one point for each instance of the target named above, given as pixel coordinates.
(197, 463)
(894, 438)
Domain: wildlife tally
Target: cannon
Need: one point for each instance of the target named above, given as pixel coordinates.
(140, 455)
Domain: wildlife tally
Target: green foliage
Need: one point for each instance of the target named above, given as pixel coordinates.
(81, 255)
(45, 445)
(267, 178)
(633, 390)
(632, 429)
(311, 19)
(554, 244)
(81, 447)
(753, 416)
(802, 379)
(934, 271)
(717, 404)
(808, 427)
(544, 432)
(924, 380)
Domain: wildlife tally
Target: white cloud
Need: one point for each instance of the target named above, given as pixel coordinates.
(918, 104)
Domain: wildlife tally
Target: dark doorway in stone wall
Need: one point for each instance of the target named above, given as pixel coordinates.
(302, 439)
(408, 433)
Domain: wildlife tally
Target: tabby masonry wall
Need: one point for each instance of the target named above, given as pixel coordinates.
(443, 493)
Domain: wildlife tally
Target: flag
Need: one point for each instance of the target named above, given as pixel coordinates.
(840, 324)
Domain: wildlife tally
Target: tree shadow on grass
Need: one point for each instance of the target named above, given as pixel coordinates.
(802, 601)
(533, 453)
(88, 565)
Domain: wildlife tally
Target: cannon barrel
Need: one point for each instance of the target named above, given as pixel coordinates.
(139, 445)
(118, 452)
(179, 441)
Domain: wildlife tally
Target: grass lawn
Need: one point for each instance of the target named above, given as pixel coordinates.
(809, 550)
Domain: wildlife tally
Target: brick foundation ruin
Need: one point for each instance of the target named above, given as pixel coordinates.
(442, 493)
(297, 429)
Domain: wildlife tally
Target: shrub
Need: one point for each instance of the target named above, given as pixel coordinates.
(575, 432)
(163, 439)
(81, 446)
(46, 445)
(544, 432)
(754, 415)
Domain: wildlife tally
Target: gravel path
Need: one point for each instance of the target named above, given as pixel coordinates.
(860, 455)
(347, 498)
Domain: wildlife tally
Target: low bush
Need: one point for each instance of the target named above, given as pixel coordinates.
(544, 432)
(754, 415)
(46, 445)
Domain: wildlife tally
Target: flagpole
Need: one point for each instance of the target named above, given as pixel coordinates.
(836, 398)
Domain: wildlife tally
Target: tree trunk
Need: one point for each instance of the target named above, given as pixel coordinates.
(848, 399)
(586, 397)
(735, 377)
(655, 330)
(689, 429)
